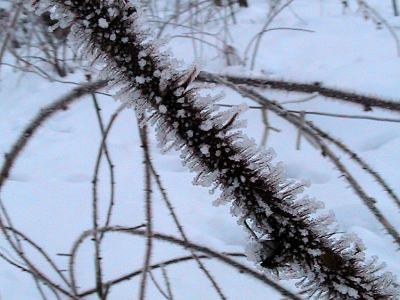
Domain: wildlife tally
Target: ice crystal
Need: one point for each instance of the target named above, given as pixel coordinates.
(103, 23)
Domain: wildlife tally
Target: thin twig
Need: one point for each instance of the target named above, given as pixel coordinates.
(260, 34)
(42, 252)
(41, 292)
(318, 113)
(358, 117)
(167, 281)
(73, 255)
(157, 285)
(104, 148)
(384, 22)
(44, 114)
(363, 164)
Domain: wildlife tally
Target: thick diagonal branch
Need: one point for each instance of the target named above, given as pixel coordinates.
(290, 239)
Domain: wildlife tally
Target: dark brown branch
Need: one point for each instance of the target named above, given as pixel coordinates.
(367, 102)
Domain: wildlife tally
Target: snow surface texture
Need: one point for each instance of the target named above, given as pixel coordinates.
(205, 148)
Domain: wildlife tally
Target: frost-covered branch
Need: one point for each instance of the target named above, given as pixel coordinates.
(289, 240)
(317, 135)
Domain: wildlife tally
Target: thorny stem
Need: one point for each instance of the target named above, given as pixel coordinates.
(149, 217)
(104, 148)
(113, 117)
(98, 239)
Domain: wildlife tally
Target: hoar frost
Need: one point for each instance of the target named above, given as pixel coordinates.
(258, 191)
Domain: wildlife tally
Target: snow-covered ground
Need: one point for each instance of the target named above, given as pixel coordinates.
(49, 192)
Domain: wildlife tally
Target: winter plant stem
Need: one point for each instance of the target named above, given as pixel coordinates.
(291, 240)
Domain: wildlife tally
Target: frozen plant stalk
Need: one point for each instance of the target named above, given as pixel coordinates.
(286, 238)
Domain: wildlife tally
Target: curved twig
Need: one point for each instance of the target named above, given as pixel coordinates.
(382, 21)
(363, 164)
(205, 250)
(260, 34)
(10, 158)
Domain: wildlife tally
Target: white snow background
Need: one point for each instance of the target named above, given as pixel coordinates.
(49, 192)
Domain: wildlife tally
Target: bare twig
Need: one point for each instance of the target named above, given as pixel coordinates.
(42, 252)
(300, 129)
(73, 255)
(354, 156)
(167, 282)
(10, 28)
(260, 34)
(383, 21)
(103, 149)
(358, 117)
(363, 164)
(157, 285)
(395, 9)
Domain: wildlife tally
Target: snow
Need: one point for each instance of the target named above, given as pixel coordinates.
(48, 193)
